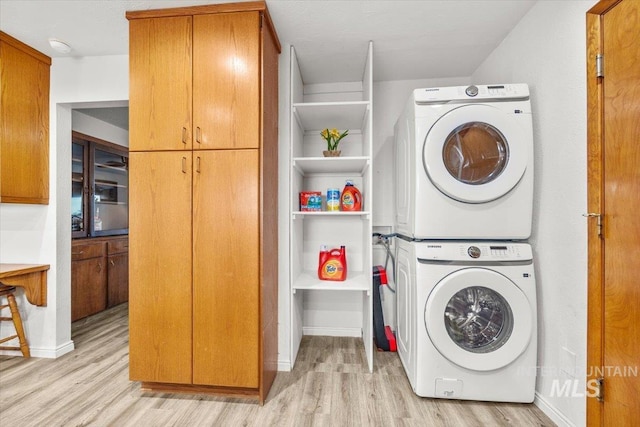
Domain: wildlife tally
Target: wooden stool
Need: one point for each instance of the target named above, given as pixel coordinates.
(17, 321)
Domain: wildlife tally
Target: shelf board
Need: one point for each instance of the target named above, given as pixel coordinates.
(330, 213)
(110, 203)
(308, 280)
(113, 168)
(339, 115)
(331, 165)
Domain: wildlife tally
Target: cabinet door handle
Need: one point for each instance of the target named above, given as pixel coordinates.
(198, 135)
(99, 267)
(77, 253)
(198, 164)
(184, 135)
(184, 165)
(113, 264)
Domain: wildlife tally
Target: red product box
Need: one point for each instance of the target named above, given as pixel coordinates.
(310, 201)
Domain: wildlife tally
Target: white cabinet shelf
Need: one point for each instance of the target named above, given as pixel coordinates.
(308, 280)
(331, 165)
(312, 214)
(341, 115)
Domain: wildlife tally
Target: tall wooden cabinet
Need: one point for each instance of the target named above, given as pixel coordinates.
(203, 199)
(24, 123)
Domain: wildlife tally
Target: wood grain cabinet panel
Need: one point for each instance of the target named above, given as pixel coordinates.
(88, 279)
(160, 295)
(226, 230)
(160, 83)
(24, 123)
(201, 256)
(226, 111)
(117, 271)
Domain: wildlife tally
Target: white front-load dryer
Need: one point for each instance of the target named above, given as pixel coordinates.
(464, 163)
(471, 331)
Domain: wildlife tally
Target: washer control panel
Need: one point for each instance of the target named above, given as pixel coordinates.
(473, 251)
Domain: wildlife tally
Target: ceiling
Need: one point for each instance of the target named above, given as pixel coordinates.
(413, 39)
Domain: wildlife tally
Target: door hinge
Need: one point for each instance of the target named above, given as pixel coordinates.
(599, 65)
(600, 389)
(261, 18)
(598, 220)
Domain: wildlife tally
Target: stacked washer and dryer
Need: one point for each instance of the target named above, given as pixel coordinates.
(466, 289)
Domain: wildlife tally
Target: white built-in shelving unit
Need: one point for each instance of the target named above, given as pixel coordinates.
(324, 307)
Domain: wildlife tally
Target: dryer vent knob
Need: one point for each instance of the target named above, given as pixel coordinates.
(471, 90)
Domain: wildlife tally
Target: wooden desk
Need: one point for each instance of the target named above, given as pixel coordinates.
(31, 277)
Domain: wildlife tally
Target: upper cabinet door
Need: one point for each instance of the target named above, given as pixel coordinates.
(24, 123)
(160, 85)
(226, 80)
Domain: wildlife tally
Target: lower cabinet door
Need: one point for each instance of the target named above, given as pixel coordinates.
(118, 282)
(160, 275)
(88, 287)
(226, 265)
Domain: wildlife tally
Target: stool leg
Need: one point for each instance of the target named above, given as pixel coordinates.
(17, 322)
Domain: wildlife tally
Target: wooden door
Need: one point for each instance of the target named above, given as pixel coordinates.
(614, 192)
(226, 268)
(24, 123)
(160, 83)
(160, 275)
(226, 80)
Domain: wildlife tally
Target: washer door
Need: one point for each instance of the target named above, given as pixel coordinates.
(478, 319)
(475, 153)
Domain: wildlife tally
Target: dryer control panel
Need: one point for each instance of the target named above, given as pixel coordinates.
(498, 92)
(473, 251)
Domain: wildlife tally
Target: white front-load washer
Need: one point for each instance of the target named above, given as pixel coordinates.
(464, 163)
(467, 319)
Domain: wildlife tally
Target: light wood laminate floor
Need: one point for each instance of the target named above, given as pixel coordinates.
(330, 386)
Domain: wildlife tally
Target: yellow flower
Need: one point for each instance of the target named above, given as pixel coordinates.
(333, 137)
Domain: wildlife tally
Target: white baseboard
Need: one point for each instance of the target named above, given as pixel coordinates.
(52, 353)
(551, 412)
(284, 366)
(332, 332)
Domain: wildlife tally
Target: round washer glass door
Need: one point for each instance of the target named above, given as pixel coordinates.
(478, 319)
(475, 153)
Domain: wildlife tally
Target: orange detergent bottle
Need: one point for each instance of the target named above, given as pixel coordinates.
(332, 264)
(350, 199)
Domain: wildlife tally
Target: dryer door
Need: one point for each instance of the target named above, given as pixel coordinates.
(476, 153)
(479, 319)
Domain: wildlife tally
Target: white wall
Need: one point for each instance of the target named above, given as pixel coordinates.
(41, 234)
(547, 51)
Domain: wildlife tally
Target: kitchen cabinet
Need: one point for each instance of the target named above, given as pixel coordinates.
(319, 306)
(117, 271)
(99, 275)
(24, 118)
(99, 187)
(187, 113)
(88, 279)
(203, 223)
